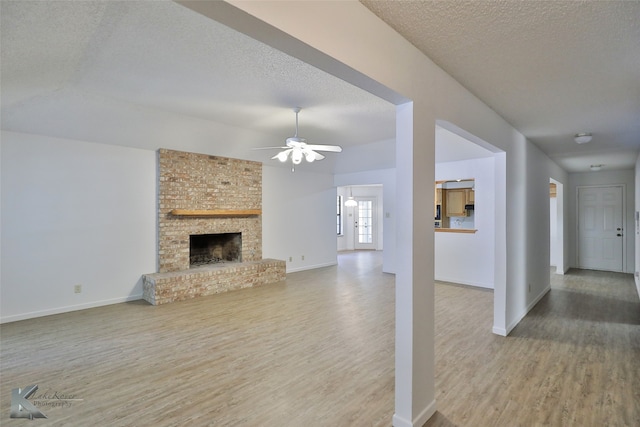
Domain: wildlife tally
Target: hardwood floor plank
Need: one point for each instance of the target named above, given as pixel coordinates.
(318, 350)
(573, 360)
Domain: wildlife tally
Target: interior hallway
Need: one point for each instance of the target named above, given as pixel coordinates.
(318, 350)
(574, 360)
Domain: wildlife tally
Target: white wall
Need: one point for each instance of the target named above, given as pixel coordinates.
(74, 213)
(563, 220)
(553, 231)
(387, 225)
(80, 213)
(380, 155)
(636, 229)
(626, 177)
(298, 218)
(537, 219)
(469, 258)
(345, 241)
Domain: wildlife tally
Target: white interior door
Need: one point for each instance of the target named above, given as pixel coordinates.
(600, 231)
(365, 223)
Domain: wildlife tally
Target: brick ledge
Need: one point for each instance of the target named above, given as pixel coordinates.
(163, 288)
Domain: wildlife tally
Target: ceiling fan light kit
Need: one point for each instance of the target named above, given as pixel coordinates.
(297, 148)
(296, 156)
(282, 156)
(582, 138)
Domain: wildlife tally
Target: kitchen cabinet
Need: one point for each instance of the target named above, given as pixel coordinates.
(456, 201)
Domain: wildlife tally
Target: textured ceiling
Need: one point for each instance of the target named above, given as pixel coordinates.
(149, 74)
(550, 68)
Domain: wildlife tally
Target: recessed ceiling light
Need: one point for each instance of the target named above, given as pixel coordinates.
(582, 138)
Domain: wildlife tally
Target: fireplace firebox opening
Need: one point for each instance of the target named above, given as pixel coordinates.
(214, 248)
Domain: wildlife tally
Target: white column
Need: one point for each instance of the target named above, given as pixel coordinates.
(414, 387)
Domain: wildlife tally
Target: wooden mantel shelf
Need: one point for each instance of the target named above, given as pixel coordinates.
(216, 212)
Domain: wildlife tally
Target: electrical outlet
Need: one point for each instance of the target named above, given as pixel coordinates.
(290, 258)
(302, 257)
(77, 289)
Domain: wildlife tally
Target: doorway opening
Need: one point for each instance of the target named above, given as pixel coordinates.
(461, 155)
(556, 226)
(362, 225)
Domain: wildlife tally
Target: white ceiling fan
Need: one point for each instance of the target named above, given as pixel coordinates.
(297, 148)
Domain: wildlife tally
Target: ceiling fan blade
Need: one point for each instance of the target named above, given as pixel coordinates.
(333, 148)
(282, 154)
(270, 148)
(311, 155)
(318, 155)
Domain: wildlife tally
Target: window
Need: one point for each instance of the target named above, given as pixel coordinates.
(339, 224)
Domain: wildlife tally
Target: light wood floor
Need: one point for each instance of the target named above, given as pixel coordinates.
(574, 360)
(317, 350)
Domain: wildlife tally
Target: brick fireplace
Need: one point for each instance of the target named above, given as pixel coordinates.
(202, 195)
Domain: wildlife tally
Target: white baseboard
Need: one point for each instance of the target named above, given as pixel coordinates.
(419, 421)
(537, 299)
(499, 331)
(311, 267)
(529, 307)
(463, 282)
(65, 309)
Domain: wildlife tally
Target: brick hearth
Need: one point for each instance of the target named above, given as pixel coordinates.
(161, 288)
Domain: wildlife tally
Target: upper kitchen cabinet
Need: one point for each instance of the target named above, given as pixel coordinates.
(455, 205)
